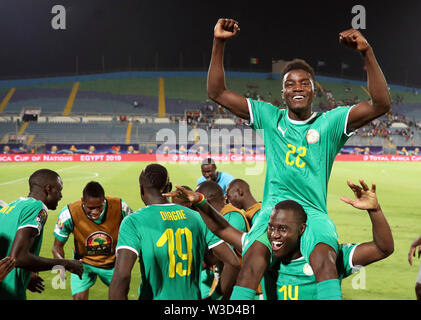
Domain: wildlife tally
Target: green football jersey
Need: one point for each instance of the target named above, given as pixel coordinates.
(296, 280)
(170, 241)
(299, 154)
(22, 213)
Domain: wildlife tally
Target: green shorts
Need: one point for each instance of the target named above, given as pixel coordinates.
(89, 276)
(320, 229)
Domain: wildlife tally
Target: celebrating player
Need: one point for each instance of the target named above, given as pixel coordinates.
(21, 228)
(170, 241)
(214, 194)
(239, 194)
(290, 277)
(300, 149)
(94, 220)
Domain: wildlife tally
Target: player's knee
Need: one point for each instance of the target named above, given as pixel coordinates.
(323, 262)
(418, 291)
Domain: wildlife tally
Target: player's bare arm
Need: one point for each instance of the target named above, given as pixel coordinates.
(120, 283)
(24, 239)
(413, 248)
(380, 101)
(382, 245)
(6, 265)
(58, 249)
(212, 218)
(231, 268)
(217, 91)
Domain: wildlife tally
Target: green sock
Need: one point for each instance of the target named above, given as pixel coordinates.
(242, 293)
(329, 290)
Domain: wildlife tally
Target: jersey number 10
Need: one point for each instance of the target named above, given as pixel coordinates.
(175, 244)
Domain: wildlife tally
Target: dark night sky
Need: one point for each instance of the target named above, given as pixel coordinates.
(177, 34)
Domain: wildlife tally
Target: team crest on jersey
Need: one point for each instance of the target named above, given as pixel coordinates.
(60, 224)
(99, 243)
(42, 217)
(312, 136)
(308, 270)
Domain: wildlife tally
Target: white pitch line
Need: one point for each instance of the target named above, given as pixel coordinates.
(25, 178)
(13, 181)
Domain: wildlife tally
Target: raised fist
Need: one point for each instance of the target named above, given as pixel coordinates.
(354, 39)
(226, 29)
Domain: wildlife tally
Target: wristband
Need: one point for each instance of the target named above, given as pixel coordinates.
(201, 202)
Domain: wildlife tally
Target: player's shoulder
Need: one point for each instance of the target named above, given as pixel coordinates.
(29, 203)
(266, 108)
(226, 176)
(64, 214)
(110, 198)
(336, 111)
(257, 103)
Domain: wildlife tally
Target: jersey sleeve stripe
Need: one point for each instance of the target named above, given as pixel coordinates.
(351, 255)
(128, 248)
(30, 226)
(215, 244)
(243, 237)
(57, 233)
(251, 121)
(346, 124)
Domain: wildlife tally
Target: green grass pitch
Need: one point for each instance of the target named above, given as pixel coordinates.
(397, 187)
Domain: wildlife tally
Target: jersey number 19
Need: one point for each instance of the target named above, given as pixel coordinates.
(175, 244)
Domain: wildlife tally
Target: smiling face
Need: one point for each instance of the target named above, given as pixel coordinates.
(93, 207)
(284, 232)
(209, 172)
(298, 91)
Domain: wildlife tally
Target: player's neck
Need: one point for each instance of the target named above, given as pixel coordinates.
(248, 203)
(157, 200)
(301, 115)
(36, 196)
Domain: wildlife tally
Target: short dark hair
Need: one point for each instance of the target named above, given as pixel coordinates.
(93, 190)
(297, 64)
(154, 176)
(42, 177)
(187, 187)
(208, 161)
(295, 207)
(211, 190)
(239, 183)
